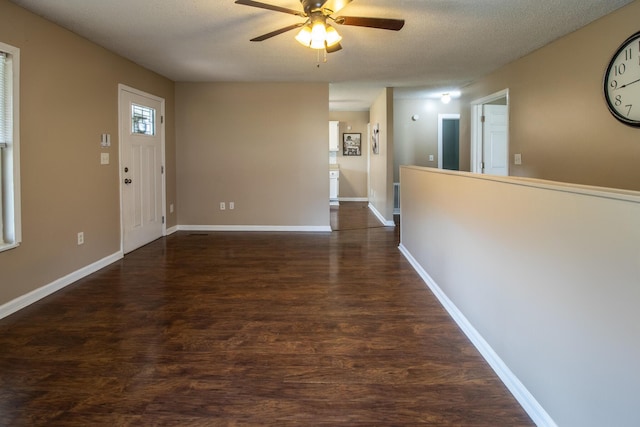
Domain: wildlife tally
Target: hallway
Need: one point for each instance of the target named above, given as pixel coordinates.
(251, 329)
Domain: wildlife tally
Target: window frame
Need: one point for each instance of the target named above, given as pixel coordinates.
(10, 206)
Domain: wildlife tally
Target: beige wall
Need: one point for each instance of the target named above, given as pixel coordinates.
(263, 146)
(559, 120)
(381, 169)
(68, 98)
(546, 274)
(353, 169)
(414, 141)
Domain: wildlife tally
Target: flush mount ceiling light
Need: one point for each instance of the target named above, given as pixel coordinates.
(446, 98)
(315, 32)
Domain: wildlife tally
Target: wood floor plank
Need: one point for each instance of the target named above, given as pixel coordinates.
(250, 329)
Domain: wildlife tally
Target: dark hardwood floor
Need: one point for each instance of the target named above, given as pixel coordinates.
(206, 329)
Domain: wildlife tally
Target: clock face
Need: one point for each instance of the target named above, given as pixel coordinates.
(622, 82)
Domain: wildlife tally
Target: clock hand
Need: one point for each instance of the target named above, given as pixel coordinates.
(629, 84)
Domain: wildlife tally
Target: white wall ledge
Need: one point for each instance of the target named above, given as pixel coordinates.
(566, 187)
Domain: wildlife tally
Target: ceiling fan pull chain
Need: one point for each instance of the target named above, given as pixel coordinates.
(324, 58)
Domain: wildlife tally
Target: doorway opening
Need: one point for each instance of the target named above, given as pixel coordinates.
(449, 141)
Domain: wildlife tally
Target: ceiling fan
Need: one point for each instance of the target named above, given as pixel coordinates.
(315, 32)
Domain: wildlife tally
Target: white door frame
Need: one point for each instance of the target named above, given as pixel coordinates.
(441, 118)
(368, 148)
(121, 130)
(476, 127)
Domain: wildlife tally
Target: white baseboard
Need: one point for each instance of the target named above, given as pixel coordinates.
(37, 294)
(171, 230)
(381, 218)
(302, 228)
(353, 199)
(528, 402)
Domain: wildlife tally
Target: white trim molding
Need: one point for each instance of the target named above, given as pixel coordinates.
(44, 291)
(353, 199)
(294, 228)
(381, 218)
(537, 413)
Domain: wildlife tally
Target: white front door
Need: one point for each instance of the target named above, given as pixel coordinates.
(495, 154)
(141, 168)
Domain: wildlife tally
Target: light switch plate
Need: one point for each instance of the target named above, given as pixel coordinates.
(105, 140)
(517, 159)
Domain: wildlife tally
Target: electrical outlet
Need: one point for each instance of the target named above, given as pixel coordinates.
(80, 238)
(222, 206)
(517, 159)
(232, 205)
(431, 157)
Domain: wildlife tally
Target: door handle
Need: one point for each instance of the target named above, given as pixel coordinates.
(127, 181)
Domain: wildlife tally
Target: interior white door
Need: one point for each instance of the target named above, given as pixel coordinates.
(141, 166)
(495, 151)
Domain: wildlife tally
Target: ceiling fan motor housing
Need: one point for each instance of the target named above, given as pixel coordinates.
(310, 6)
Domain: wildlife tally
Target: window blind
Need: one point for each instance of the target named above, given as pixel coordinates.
(5, 116)
(10, 221)
(5, 125)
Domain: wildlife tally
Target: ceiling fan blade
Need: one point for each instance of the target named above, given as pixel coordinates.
(335, 5)
(276, 32)
(334, 48)
(382, 23)
(270, 7)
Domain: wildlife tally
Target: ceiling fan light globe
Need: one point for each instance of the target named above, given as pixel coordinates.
(304, 36)
(333, 37)
(318, 35)
(317, 44)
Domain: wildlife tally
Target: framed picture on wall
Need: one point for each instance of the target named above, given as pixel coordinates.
(351, 144)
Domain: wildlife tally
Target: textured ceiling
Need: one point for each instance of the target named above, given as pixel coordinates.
(443, 45)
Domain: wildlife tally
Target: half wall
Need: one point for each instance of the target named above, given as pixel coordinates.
(545, 277)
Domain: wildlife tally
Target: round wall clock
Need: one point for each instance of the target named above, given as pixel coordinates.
(622, 82)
